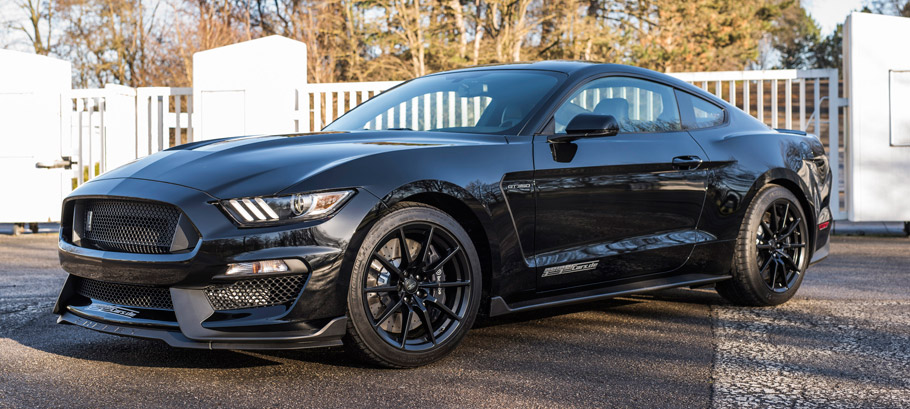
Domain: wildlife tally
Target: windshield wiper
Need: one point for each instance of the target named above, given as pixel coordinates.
(399, 129)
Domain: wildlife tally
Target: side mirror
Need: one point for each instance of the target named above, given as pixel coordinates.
(588, 126)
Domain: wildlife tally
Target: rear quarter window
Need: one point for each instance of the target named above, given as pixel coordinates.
(699, 113)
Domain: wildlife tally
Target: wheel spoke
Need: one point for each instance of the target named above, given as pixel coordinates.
(767, 228)
(425, 247)
(784, 219)
(773, 219)
(388, 265)
(425, 319)
(449, 284)
(794, 245)
(789, 262)
(406, 326)
(792, 228)
(774, 275)
(442, 307)
(765, 267)
(445, 259)
(764, 246)
(785, 276)
(388, 312)
(381, 289)
(405, 251)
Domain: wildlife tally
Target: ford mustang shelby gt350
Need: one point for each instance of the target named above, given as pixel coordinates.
(480, 191)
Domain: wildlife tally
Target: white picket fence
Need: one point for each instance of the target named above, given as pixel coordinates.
(758, 93)
(114, 125)
(320, 104)
(779, 98)
(317, 105)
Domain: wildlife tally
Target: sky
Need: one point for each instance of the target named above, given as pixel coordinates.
(830, 13)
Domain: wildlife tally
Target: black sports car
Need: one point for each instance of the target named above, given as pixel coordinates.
(486, 191)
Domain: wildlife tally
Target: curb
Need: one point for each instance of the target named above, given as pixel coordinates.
(847, 228)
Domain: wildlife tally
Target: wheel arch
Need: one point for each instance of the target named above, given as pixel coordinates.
(467, 210)
(789, 180)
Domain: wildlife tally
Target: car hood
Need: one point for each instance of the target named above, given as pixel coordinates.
(265, 165)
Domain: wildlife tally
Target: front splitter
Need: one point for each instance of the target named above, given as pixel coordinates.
(328, 336)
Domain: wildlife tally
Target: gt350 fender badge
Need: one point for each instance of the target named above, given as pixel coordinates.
(569, 268)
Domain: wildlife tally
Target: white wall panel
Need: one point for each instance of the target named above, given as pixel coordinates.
(256, 78)
(878, 170)
(31, 131)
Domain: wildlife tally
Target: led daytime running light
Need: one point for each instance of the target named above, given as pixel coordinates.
(301, 206)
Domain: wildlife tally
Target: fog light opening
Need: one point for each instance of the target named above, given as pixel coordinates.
(257, 267)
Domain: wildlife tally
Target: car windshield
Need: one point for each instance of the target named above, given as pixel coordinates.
(479, 101)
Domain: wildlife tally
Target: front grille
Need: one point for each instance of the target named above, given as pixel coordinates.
(257, 292)
(125, 294)
(128, 226)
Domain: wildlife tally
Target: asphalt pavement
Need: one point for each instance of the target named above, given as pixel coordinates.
(844, 341)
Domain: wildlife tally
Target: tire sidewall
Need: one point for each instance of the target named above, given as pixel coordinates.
(748, 252)
(359, 322)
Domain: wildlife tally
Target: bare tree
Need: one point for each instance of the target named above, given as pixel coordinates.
(39, 18)
(892, 7)
(460, 27)
(129, 41)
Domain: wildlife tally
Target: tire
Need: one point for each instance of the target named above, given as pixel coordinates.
(772, 250)
(438, 287)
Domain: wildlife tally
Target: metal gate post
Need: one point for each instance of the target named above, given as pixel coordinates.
(835, 102)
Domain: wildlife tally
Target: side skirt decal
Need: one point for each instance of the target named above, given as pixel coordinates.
(569, 268)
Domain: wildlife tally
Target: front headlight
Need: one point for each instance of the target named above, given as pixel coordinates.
(288, 208)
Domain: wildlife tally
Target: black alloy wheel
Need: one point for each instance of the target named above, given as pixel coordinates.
(781, 245)
(414, 289)
(416, 298)
(772, 250)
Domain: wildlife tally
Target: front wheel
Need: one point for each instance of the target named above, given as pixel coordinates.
(415, 288)
(772, 250)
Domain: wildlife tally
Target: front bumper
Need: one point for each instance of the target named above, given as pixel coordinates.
(823, 245)
(313, 317)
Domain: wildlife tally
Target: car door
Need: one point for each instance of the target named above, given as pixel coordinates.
(616, 207)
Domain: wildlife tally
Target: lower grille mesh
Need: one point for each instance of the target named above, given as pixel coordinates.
(257, 292)
(125, 294)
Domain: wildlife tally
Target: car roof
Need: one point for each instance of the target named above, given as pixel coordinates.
(563, 66)
(582, 68)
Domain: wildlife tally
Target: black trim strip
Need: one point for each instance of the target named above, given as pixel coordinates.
(498, 305)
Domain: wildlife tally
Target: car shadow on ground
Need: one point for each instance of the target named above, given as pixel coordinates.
(41, 333)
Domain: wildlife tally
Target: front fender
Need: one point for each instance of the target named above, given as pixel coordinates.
(471, 208)
(463, 175)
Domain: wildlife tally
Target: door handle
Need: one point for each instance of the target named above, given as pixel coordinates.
(66, 162)
(686, 162)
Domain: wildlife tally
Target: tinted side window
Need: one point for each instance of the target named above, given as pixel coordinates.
(638, 105)
(704, 114)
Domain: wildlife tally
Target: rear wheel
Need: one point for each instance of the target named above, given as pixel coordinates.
(415, 288)
(772, 250)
